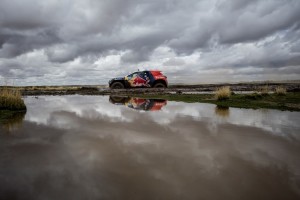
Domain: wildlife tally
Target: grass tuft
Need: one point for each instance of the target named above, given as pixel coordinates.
(11, 99)
(280, 90)
(264, 90)
(223, 93)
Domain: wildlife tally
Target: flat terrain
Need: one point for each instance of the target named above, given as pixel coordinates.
(245, 95)
(104, 90)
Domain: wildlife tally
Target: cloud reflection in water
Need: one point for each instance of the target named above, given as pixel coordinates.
(86, 147)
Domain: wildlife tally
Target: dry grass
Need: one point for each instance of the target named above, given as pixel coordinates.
(280, 90)
(264, 90)
(11, 99)
(223, 93)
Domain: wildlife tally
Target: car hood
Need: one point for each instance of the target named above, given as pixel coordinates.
(116, 79)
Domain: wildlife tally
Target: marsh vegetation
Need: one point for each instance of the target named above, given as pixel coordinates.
(280, 90)
(223, 93)
(11, 99)
(288, 101)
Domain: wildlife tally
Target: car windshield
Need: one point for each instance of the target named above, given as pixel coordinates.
(132, 75)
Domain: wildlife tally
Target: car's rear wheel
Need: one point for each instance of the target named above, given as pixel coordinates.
(159, 85)
(117, 85)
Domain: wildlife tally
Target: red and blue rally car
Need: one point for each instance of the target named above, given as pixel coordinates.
(152, 78)
(139, 103)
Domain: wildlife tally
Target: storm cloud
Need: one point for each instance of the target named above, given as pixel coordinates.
(90, 41)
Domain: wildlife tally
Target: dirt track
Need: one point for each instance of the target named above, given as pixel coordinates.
(173, 89)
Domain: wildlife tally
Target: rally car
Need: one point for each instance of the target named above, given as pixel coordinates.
(146, 78)
(139, 103)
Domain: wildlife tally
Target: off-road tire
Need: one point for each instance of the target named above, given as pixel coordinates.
(159, 85)
(117, 85)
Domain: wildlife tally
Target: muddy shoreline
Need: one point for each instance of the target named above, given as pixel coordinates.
(173, 89)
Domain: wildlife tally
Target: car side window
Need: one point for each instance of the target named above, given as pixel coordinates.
(130, 76)
(140, 74)
(144, 75)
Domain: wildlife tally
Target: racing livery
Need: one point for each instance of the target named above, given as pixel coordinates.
(139, 103)
(146, 78)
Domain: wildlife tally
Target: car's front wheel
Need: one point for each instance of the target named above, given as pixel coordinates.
(117, 85)
(159, 85)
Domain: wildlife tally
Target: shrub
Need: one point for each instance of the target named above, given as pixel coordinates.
(11, 99)
(264, 90)
(223, 93)
(280, 90)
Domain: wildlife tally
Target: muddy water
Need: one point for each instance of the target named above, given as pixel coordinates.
(93, 147)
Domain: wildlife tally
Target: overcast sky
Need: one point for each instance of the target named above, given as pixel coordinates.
(56, 42)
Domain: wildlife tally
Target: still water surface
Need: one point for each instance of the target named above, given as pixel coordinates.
(96, 147)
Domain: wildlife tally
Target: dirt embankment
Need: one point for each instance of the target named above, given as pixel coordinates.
(173, 89)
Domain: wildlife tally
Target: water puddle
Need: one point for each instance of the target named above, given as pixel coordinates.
(101, 147)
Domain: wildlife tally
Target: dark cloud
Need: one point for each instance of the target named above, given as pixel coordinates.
(259, 20)
(19, 15)
(236, 33)
(17, 44)
(239, 21)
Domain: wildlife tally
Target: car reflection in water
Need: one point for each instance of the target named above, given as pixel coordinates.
(139, 103)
